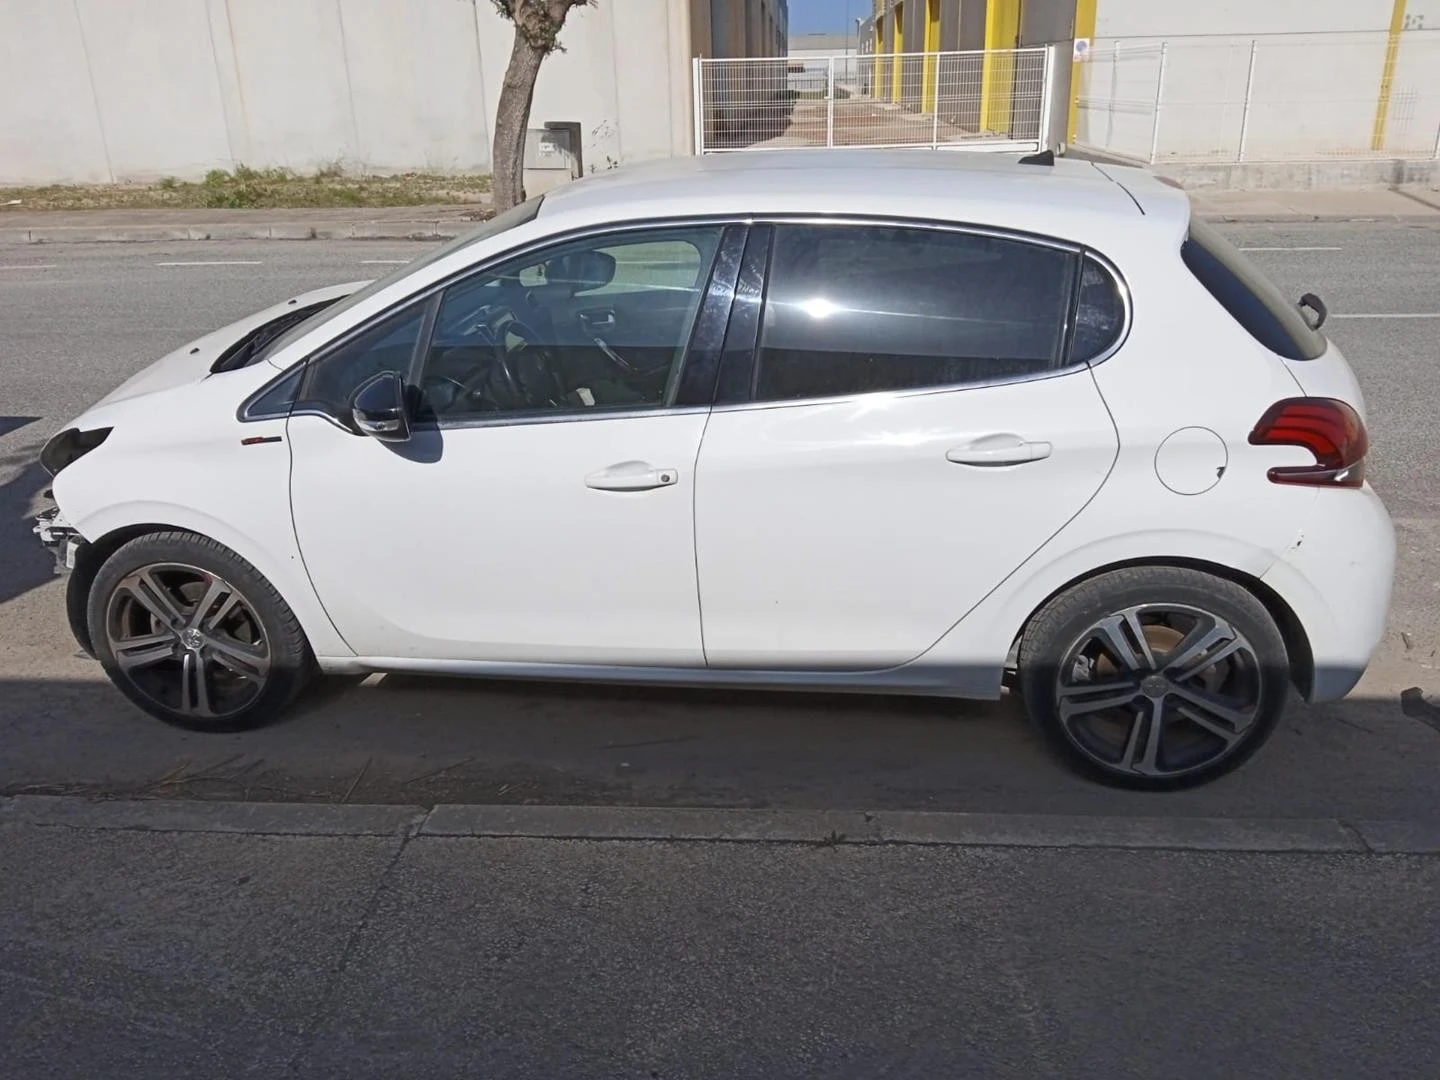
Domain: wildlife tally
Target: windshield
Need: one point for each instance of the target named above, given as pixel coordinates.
(516, 215)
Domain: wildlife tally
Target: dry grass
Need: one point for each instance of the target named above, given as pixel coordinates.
(247, 188)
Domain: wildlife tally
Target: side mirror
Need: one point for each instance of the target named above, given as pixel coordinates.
(378, 408)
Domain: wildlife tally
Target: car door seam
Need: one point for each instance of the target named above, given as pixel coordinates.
(695, 531)
(299, 547)
(1110, 471)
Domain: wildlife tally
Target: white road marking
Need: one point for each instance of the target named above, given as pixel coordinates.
(33, 266)
(1291, 249)
(1388, 315)
(384, 262)
(216, 262)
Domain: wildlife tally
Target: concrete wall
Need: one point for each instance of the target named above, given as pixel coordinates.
(1313, 91)
(105, 90)
(1181, 18)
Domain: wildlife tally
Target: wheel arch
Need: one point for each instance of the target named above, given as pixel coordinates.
(105, 533)
(1292, 631)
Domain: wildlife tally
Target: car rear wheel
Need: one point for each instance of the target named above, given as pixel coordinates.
(1154, 677)
(194, 635)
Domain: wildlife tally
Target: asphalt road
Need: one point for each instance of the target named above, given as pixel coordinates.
(79, 318)
(133, 946)
(141, 954)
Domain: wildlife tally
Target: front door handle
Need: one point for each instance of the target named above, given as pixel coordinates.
(989, 452)
(632, 476)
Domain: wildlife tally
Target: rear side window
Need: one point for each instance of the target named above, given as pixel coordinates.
(1249, 296)
(854, 309)
(1099, 314)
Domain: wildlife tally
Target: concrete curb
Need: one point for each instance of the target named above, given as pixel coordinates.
(281, 819)
(353, 230)
(691, 824)
(434, 229)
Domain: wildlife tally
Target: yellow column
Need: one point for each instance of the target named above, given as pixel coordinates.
(898, 65)
(882, 66)
(1387, 75)
(1084, 28)
(932, 63)
(997, 76)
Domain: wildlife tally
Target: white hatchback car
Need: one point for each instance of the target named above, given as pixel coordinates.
(842, 420)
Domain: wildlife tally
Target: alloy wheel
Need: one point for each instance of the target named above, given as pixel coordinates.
(1159, 690)
(187, 640)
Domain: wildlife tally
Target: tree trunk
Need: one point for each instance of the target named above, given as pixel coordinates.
(512, 117)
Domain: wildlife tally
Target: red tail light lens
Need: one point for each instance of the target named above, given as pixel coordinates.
(1328, 428)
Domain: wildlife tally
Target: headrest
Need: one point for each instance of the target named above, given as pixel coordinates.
(581, 270)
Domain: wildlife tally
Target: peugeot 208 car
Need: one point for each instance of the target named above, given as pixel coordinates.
(921, 423)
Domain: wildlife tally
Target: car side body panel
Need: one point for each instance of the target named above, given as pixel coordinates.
(192, 473)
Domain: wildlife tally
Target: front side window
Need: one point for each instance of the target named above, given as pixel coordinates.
(330, 380)
(853, 309)
(595, 324)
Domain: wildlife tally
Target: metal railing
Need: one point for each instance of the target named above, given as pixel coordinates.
(1296, 97)
(996, 99)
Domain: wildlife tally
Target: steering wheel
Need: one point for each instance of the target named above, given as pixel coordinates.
(537, 357)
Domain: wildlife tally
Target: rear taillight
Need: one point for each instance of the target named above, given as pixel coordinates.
(1328, 428)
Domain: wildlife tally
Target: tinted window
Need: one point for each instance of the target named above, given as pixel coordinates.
(600, 323)
(1100, 314)
(1249, 296)
(332, 379)
(854, 309)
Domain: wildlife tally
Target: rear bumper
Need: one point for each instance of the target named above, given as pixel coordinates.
(1337, 579)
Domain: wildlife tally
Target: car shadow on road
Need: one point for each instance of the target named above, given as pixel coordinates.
(24, 564)
(420, 740)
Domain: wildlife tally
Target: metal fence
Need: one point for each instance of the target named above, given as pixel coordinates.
(996, 99)
(1296, 97)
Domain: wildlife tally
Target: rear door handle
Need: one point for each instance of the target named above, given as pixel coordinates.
(632, 476)
(985, 452)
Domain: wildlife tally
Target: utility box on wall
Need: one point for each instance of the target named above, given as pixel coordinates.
(552, 157)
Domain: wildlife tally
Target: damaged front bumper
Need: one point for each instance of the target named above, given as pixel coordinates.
(60, 537)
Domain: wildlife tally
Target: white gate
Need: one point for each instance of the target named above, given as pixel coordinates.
(993, 99)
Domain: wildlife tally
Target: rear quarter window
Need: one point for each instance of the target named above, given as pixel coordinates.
(1251, 298)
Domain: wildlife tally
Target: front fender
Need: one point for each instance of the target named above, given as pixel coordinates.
(281, 566)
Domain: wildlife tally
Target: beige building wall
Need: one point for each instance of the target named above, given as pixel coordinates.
(103, 90)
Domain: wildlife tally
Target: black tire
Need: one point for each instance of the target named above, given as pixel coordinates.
(1075, 672)
(250, 653)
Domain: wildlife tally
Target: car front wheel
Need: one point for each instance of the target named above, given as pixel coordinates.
(194, 635)
(1154, 677)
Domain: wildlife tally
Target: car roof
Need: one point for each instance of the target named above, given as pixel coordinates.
(1071, 199)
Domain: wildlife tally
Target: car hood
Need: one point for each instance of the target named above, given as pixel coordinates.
(192, 362)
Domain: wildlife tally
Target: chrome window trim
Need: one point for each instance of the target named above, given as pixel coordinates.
(919, 391)
(590, 415)
(527, 420)
(1118, 280)
(634, 225)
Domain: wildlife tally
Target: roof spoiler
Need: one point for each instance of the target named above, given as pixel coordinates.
(1044, 157)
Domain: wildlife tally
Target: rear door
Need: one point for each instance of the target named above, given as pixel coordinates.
(905, 427)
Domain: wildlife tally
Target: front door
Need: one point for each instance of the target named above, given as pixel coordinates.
(914, 430)
(542, 509)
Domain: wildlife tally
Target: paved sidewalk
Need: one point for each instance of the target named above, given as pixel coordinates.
(148, 939)
(18, 226)
(1420, 204)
